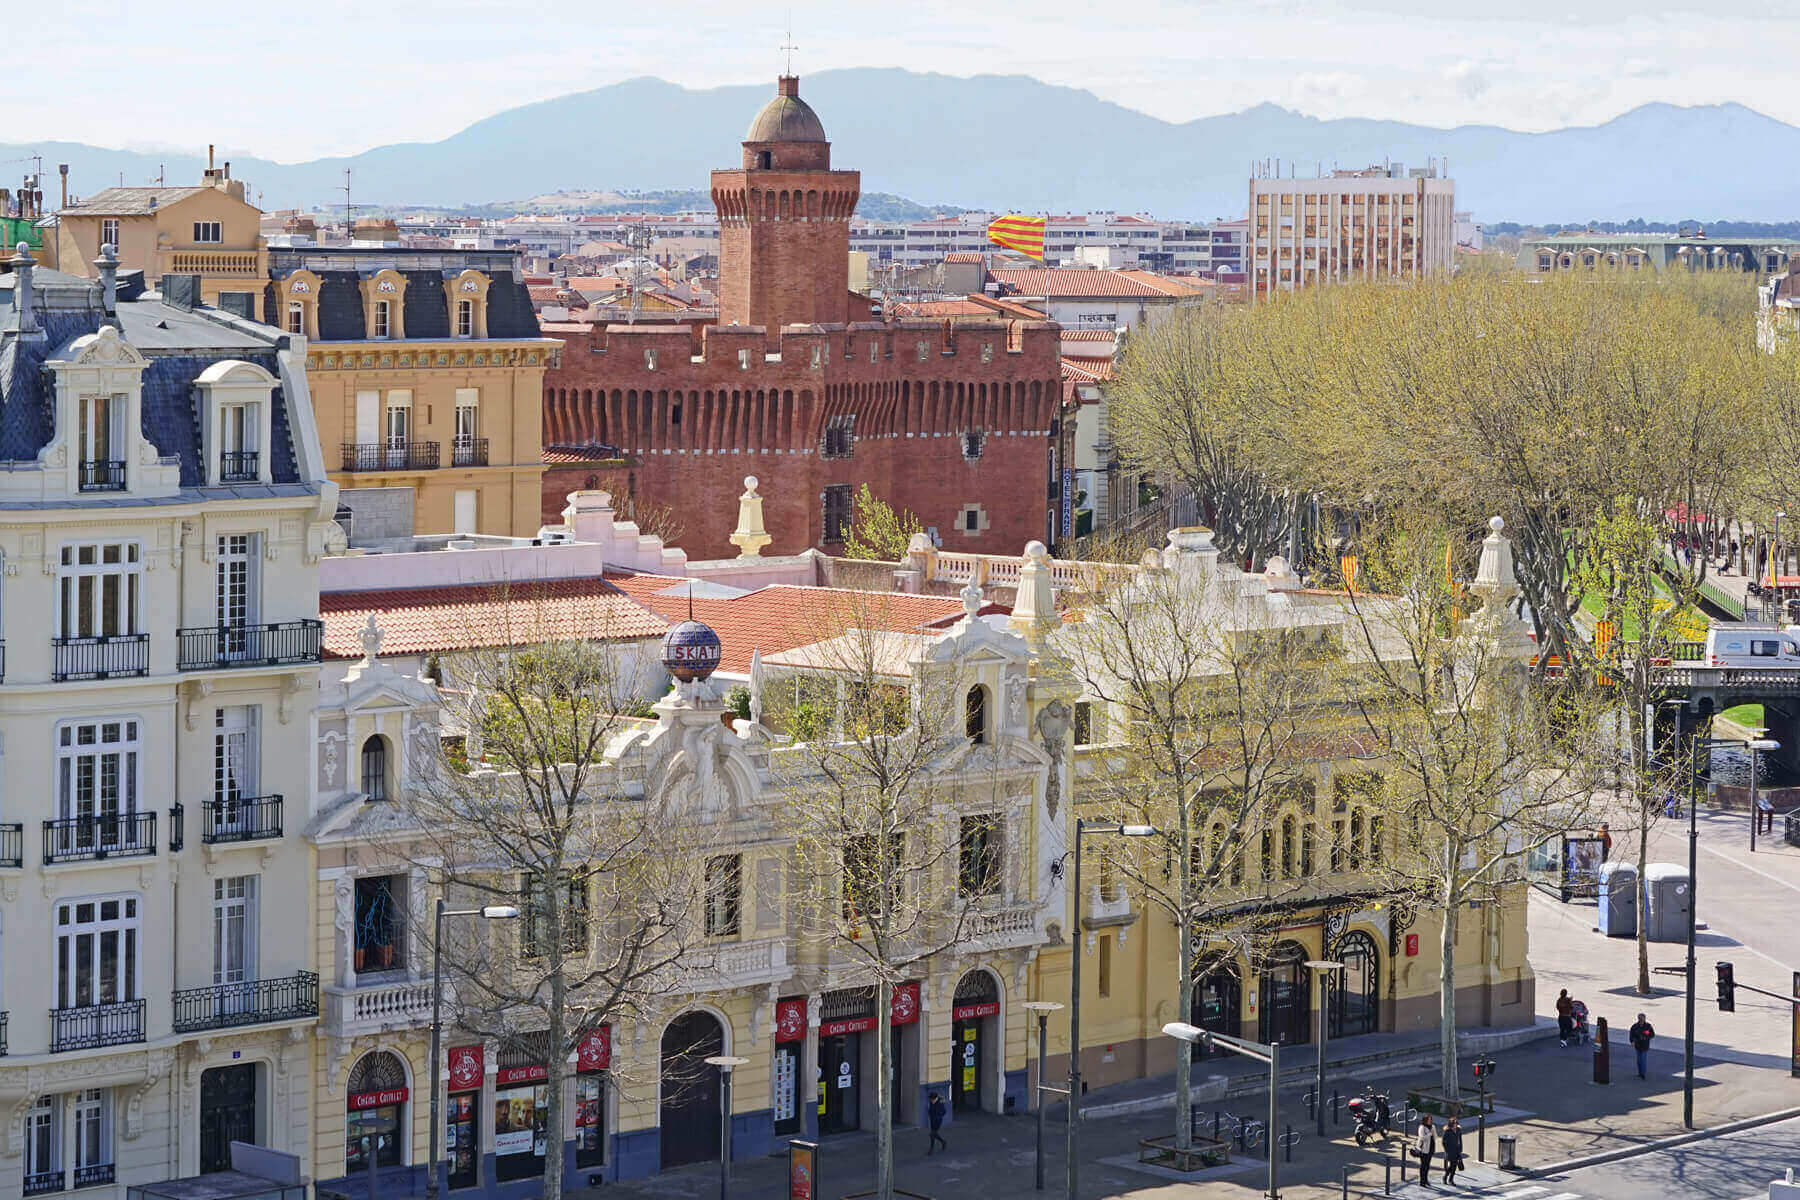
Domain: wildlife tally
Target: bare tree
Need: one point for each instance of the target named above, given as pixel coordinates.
(1481, 766)
(1210, 702)
(896, 795)
(534, 815)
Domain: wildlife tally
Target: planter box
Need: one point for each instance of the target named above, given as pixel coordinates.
(1204, 1153)
(1430, 1100)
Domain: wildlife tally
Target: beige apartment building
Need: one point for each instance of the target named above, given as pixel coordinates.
(1377, 223)
(211, 231)
(427, 370)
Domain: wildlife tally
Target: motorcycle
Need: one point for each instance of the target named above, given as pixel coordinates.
(1370, 1112)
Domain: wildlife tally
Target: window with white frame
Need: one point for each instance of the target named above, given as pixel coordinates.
(236, 589)
(97, 784)
(296, 317)
(468, 412)
(235, 763)
(96, 951)
(383, 319)
(101, 429)
(93, 1137)
(239, 424)
(465, 318)
(43, 1145)
(234, 931)
(109, 232)
(100, 588)
(209, 232)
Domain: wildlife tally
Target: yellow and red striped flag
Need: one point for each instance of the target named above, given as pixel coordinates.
(1024, 234)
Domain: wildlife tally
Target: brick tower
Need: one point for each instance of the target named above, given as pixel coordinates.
(784, 222)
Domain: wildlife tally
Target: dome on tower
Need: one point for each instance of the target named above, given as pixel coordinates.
(786, 118)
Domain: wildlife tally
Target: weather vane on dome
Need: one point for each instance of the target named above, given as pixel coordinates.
(788, 46)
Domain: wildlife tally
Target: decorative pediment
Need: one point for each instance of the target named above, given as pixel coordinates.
(103, 349)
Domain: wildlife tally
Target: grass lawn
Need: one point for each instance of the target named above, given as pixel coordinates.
(1750, 715)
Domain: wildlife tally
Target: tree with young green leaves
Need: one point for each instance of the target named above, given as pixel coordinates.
(878, 530)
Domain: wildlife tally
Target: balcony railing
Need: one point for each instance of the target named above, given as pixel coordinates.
(242, 263)
(82, 839)
(353, 1011)
(102, 475)
(112, 656)
(257, 1002)
(246, 819)
(284, 643)
(2, 1035)
(239, 466)
(98, 1175)
(469, 452)
(12, 844)
(96, 1025)
(45, 1183)
(390, 456)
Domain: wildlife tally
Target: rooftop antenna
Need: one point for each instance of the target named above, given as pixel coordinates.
(349, 212)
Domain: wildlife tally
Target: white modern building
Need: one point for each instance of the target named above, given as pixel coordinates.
(1379, 222)
(163, 504)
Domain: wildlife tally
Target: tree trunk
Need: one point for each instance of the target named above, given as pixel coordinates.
(557, 1038)
(884, 1118)
(1447, 977)
(1641, 797)
(1184, 1053)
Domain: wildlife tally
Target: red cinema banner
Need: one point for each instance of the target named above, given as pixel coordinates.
(466, 1065)
(595, 1051)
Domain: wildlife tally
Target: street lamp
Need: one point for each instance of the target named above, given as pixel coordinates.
(1082, 829)
(1043, 1009)
(1322, 972)
(487, 912)
(726, 1063)
(1269, 1053)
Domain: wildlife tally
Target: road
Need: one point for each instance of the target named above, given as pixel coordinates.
(1726, 1168)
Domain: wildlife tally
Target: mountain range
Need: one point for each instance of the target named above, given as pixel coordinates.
(1012, 142)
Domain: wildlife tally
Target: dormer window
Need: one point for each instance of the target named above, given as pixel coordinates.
(236, 403)
(239, 457)
(383, 319)
(101, 436)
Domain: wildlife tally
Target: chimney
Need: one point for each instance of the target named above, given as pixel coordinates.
(24, 320)
(107, 267)
(63, 170)
(181, 291)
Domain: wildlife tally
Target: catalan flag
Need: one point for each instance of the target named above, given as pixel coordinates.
(1024, 234)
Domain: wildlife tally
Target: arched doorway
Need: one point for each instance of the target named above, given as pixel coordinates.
(1286, 1010)
(1218, 997)
(690, 1089)
(1354, 1007)
(375, 1106)
(974, 1040)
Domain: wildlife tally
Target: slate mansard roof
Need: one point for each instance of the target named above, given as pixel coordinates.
(180, 344)
(426, 306)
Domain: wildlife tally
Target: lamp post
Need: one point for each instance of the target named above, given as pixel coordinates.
(487, 912)
(726, 1063)
(1082, 829)
(1322, 972)
(1264, 1053)
(1757, 745)
(1042, 1009)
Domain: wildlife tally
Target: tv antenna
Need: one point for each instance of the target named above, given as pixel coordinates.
(349, 212)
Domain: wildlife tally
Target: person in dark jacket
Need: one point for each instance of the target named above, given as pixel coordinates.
(935, 1113)
(1565, 1017)
(1453, 1155)
(1641, 1033)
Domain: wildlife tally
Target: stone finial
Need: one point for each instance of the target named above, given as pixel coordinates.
(106, 269)
(756, 685)
(24, 298)
(370, 636)
(1191, 544)
(1035, 601)
(750, 537)
(971, 598)
(1494, 577)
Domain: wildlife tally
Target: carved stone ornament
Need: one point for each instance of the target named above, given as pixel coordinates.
(1053, 726)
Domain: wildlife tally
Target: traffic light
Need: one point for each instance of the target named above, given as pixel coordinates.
(1727, 989)
(1484, 1067)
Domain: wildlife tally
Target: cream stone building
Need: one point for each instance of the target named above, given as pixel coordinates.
(162, 511)
(209, 230)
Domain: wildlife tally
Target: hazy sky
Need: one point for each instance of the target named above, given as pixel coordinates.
(292, 82)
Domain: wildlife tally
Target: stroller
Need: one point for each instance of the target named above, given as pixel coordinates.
(1578, 1032)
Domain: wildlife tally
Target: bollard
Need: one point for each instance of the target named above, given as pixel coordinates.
(1311, 1098)
(1387, 1173)
(1344, 1194)
(1481, 1137)
(1215, 1124)
(1289, 1139)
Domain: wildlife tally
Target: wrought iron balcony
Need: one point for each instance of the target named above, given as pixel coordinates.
(12, 844)
(101, 475)
(45, 1183)
(113, 656)
(241, 819)
(97, 1175)
(83, 839)
(96, 1025)
(390, 456)
(2, 1035)
(283, 643)
(469, 452)
(256, 1002)
(239, 466)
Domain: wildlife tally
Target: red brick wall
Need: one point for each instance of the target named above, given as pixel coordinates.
(784, 246)
(697, 422)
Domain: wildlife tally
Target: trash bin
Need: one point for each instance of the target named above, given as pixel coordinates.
(1509, 1152)
(1618, 899)
(1667, 896)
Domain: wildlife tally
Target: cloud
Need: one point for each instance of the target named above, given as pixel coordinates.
(1468, 78)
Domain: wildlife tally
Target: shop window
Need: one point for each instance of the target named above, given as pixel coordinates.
(375, 1118)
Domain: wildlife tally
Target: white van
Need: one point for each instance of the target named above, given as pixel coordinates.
(1753, 646)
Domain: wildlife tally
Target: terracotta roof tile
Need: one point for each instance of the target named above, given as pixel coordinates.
(432, 619)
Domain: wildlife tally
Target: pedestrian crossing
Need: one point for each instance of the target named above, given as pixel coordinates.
(1480, 1188)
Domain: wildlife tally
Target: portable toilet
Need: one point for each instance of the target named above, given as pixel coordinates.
(1668, 895)
(1618, 899)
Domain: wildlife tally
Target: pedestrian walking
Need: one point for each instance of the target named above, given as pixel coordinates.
(1453, 1152)
(935, 1113)
(1605, 836)
(1424, 1144)
(1565, 1017)
(1641, 1033)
